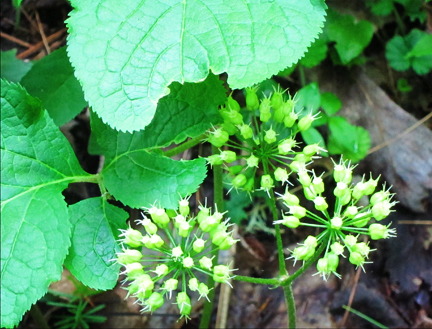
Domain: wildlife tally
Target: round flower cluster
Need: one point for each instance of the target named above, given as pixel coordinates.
(267, 138)
(174, 260)
(340, 230)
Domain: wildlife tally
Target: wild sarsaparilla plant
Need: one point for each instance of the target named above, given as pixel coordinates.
(143, 68)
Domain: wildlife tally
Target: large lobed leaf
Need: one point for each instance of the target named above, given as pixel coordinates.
(126, 53)
(95, 229)
(37, 165)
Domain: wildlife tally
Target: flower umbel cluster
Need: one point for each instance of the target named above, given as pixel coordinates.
(265, 134)
(342, 228)
(175, 247)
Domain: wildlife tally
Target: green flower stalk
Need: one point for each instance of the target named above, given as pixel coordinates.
(179, 243)
(342, 228)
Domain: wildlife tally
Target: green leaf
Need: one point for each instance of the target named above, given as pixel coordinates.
(37, 165)
(315, 54)
(52, 80)
(403, 85)
(95, 225)
(313, 136)
(423, 47)
(12, 68)
(351, 141)
(351, 37)
(381, 7)
(139, 179)
(235, 205)
(126, 54)
(308, 99)
(330, 103)
(188, 111)
(398, 53)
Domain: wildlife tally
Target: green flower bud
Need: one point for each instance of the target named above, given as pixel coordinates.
(154, 302)
(265, 106)
(219, 237)
(129, 256)
(218, 138)
(311, 242)
(309, 193)
(302, 253)
(378, 231)
(170, 285)
(290, 199)
(221, 273)
(252, 102)
(277, 99)
(290, 119)
(227, 243)
(146, 242)
(379, 197)
(336, 223)
(297, 211)
(350, 240)
(198, 245)
(184, 229)
(270, 136)
(252, 161)
(337, 248)
(304, 178)
(159, 216)
(184, 207)
(132, 237)
(320, 203)
(305, 122)
(140, 280)
(356, 259)
(176, 252)
(184, 304)
(239, 180)
(250, 185)
(351, 211)
(359, 190)
(229, 127)
(232, 104)
(281, 175)
(297, 166)
(228, 156)
(246, 131)
(346, 198)
(145, 286)
(203, 290)
(149, 226)
(206, 263)
(286, 145)
(370, 186)
(302, 158)
(361, 219)
(288, 221)
(322, 266)
(235, 170)
(161, 270)
(266, 182)
(341, 189)
(156, 241)
(188, 262)
(265, 116)
(332, 262)
(133, 270)
(318, 184)
(193, 284)
(362, 248)
(214, 160)
(203, 214)
(278, 115)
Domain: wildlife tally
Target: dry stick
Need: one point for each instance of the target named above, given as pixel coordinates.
(351, 297)
(26, 14)
(16, 40)
(42, 33)
(39, 45)
(406, 131)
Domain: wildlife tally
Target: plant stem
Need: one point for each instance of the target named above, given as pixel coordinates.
(38, 317)
(186, 145)
(291, 309)
(302, 75)
(275, 282)
(218, 201)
